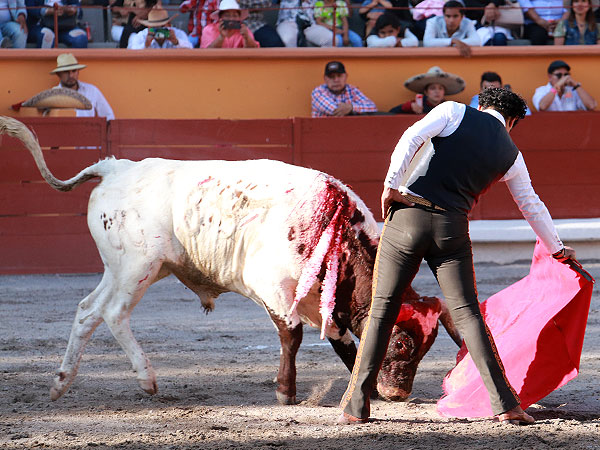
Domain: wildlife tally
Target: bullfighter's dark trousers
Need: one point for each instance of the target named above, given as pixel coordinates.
(411, 234)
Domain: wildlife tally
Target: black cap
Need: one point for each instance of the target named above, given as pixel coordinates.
(557, 65)
(334, 67)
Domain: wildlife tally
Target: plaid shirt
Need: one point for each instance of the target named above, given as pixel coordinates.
(256, 17)
(324, 102)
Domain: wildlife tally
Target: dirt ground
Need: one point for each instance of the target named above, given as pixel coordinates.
(215, 377)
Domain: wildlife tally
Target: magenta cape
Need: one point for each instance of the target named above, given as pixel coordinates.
(538, 326)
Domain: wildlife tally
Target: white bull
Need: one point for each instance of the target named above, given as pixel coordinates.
(289, 238)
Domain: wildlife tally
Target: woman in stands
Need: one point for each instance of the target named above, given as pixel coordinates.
(580, 28)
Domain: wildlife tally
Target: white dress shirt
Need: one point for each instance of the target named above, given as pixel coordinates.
(100, 107)
(138, 42)
(409, 40)
(436, 33)
(570, 100)
(444, 120)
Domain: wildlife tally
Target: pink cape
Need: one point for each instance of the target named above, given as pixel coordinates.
(538, 326)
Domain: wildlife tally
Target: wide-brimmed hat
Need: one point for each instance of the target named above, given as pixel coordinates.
(226, 5)
(453, 84)
(157, 17)
(58, 98)
(65, 62)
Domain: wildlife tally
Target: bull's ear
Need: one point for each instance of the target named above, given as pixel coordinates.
(448, 323)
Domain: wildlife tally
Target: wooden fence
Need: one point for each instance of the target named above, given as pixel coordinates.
(45, 231)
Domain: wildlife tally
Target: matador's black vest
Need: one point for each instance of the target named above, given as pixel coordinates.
(465, 164)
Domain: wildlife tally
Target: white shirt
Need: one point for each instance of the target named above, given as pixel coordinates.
(409, 40)
(570, 100)
(444, 120)
(436, 33)
(138, 42)
(100, 106)
(546, 9)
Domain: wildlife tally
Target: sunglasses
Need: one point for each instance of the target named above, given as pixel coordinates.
(559, 75)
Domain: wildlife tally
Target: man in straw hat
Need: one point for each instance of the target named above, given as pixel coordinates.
(431, 88)
(459, 152)
(159, 34)
(67, 71)
(452, 29)
(229, 30)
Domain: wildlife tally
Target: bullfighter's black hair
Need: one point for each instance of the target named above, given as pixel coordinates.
(507, 103)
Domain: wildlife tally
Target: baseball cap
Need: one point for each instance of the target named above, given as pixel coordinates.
(557, 65)
(334, 67)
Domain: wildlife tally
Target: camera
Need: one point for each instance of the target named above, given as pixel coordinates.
(161, 32)
(232, 25)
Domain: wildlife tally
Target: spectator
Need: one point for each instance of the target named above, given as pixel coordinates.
(200, 11)
(580, 28)
(491, 79)
(387, 31)
(67, 70)
(41, 31)
(336, 98)
(13, 24)
(130, 13)
(452, 29)
(431, 89)
(323, 12)
(562, 93)
(158, 33)
(541, 17)
(370, 11)
(229, 30)
(488, 29)
(264, 33)
(296, 21)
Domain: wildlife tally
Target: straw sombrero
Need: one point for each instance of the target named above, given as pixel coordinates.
(452, 83)
(58, 98)
(66, 62)
(157, 17)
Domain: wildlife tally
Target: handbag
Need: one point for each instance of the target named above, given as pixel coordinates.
(511, 16)
(65, 23)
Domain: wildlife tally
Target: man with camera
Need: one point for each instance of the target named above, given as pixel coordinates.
(158, 33)
(229, 31)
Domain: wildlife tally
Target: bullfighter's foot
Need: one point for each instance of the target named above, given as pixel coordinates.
(516, 416)
(347, 419)
(284, 399)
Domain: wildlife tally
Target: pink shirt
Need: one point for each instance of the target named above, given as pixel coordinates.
(211, 32)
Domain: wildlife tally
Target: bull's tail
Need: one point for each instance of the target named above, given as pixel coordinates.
(13, 128)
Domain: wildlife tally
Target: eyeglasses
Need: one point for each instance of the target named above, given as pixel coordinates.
(559, 75)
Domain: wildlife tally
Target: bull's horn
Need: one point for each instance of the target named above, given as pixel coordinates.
(448, 323)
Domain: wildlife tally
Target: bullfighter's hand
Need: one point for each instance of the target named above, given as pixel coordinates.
(389, 196)
(570, 253)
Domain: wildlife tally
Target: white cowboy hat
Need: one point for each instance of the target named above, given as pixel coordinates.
(65, 62)
(453, 84)
(157, 17)
(226, 5)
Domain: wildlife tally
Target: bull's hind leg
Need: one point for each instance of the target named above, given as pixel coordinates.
(290, 339)
(87, 318)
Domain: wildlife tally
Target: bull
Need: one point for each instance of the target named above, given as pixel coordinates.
(296, 241)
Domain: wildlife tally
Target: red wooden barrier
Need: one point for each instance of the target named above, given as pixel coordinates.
(42, 230)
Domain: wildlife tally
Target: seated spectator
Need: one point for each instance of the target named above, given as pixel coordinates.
(13, 24)
(541, 17)
(41, 31)
(580, 28)
(562, 93)
(296, 21)
(67, 70)
(423, 11)
(128, 15)
(158, 33)
(431, 89)
(490, 79)
(452, 29)
(200, 11)
(387, 33)
(323, 13)
(263, 33)
(488, 30)
(371, 10)
(336, 98)
(229, 30)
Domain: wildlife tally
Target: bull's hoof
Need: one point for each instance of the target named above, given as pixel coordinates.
(286, 399)
(149, 386)
(392, 394)
(61, 384)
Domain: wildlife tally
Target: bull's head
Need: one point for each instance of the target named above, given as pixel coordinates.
(413, 335)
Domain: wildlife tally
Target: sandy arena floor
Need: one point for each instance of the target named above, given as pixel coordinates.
(215, 376)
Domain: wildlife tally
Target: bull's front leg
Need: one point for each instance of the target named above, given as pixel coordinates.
(290, 339)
